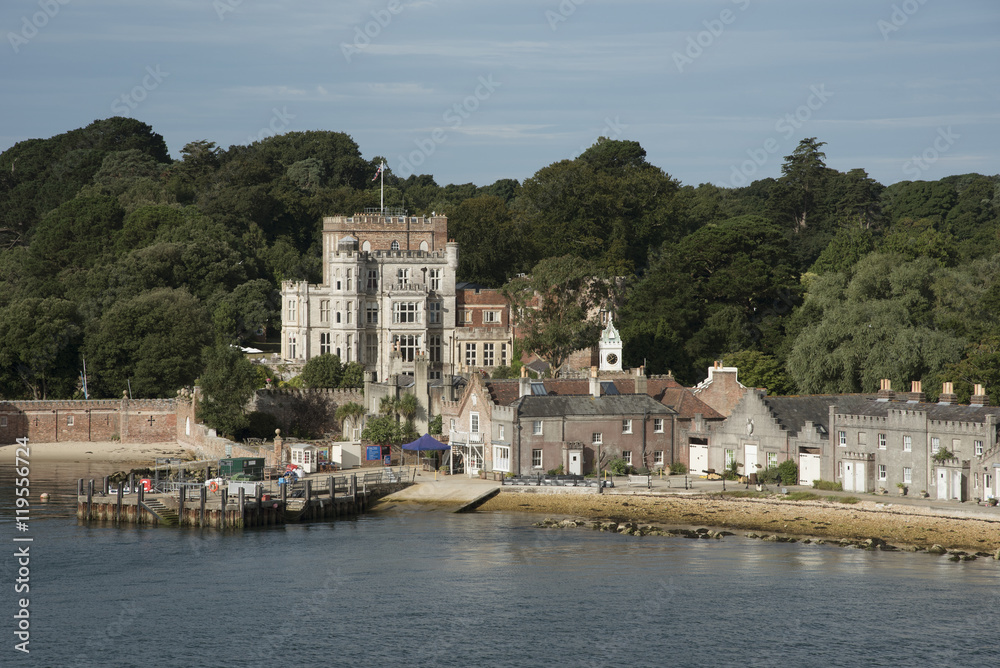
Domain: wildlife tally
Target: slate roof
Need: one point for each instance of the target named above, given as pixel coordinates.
(792, 413)
(954, 412)
(607, 406)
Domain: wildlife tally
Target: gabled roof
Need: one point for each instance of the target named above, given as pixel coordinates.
(613, 406)
(954, 412)
(793, 412)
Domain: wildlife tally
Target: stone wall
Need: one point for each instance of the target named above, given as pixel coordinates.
(133, 421)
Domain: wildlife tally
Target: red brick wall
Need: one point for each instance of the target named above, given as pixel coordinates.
(381, 234)
(486, 300)
(98, 420)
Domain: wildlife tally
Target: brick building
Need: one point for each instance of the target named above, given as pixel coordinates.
(131, 420)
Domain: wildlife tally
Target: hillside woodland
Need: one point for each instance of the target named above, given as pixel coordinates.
(816, 281)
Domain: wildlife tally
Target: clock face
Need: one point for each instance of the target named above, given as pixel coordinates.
(612, 358)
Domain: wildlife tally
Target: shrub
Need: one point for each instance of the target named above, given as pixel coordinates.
(619, 466)
(556, 471)
(844, 499)
(678, 468)
(788, 470)
(828, 485)
(803, 496)
(768, 476)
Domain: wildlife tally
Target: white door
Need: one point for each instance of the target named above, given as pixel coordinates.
(956, 485)
(860, 483)
(749, 459)
(698, 456)
(848, 481)
(808, 468)
(575, 462)
(942, 484)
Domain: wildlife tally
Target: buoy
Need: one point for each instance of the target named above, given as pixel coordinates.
(213, 486)
(44, 496)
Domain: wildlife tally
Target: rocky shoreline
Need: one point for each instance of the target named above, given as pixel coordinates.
(865, 524)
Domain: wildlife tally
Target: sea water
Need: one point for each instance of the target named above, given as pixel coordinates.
(414, 588)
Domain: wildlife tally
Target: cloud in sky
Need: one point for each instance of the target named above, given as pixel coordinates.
(698, 83)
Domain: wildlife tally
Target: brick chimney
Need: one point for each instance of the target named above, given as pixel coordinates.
(948, 395)
(916, 394)
(979, 397)
(640, 381)
(595, 385)
(524, 383)
(885, 392)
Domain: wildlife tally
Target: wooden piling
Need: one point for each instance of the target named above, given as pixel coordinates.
(204, 498)
(118, 502)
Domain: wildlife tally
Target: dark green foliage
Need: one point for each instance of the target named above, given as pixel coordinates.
(323, 371)
(788, 471)
(39, 354)
(828, 486)
(227, 383)
(259, 425)
(434, 428)
(678, 468)
(619, 466)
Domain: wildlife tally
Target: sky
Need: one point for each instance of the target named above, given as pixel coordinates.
(715, 91)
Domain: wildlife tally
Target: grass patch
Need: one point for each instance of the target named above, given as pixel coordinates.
(803, 496)
(746, 494)
(828, 485)
(843, 499)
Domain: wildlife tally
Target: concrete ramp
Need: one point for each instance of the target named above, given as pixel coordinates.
(449, 493)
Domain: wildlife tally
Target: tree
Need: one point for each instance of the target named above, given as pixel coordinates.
(349, 415)
(804, 173)
(383, 430)
(353, 376)
(323, 371)
(490, 241)
(228, 383)
(557, 308)
(41, 340)
(757, 369)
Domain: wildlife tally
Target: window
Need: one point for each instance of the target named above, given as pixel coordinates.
(348, 279)
(597, 438)
(324, 343)
(488, 354)
(935, 444)
(907, 443)
(626, 426)
(435, 276)
(503, 354)
(881, 472)
(658, 458)
(3, 420)
(730, 458)
(536, 428)
(350, 346)
(69, 420)
(978, 447)
(452, 424)
(371, 313)
(491, 317)
(403, 276)
(843, 438)
(501, 458)
(465, 317)
(881, 441)
(338, 284)
(772, 460)
(627, 456)
(394, 246)
(324, 310)
(371, 348)
(434, 347)
(907, 474)
(433, 313)
(291, 309)
(372, 283)
(470, 354)
(407, 345)
(536, 458)
(657, 425)
(405, 312)
(474, 423)
(292, 347)
(338, 313)
(350, 308)
(500, 432)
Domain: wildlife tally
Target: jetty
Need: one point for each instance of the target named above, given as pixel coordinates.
(237, 504)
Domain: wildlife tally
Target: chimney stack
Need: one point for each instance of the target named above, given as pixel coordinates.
(524, 383)
(640, 381)
(917, 394)
(979, 397)
(595, 385)
(885, 392)
(948, 395)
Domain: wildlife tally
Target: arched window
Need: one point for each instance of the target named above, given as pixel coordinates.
(423, 246)
(394, 246)
(366, 247)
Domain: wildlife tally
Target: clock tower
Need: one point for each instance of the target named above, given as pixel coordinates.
(610, 348)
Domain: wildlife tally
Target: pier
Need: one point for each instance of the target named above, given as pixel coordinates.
(237, 504)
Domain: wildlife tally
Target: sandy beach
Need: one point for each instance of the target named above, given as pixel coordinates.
(897, 525)
(108, 451)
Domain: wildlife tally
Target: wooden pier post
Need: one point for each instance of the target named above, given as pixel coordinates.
(333, 492)
(118, 502)
(105, 486)
(242, 511)
(90, 497)
(131, 482)
(223, 493)
(204, 498)
(139, 495)
(180, 507)
(79, 487)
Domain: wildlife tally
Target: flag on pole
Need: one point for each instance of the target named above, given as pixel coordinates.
(378, 171)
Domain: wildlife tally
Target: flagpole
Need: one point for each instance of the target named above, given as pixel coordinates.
(382, 188)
